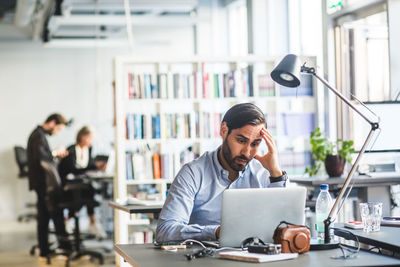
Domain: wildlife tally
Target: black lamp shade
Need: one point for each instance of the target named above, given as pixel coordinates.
(287, 73)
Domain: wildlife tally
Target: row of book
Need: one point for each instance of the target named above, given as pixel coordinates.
(235, 83)
(147, 165)
(162, 126)
(178, 126)
(172, 126)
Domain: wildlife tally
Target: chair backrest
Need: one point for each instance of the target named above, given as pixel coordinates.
(56, 193)
(53, 180)
(22, 161)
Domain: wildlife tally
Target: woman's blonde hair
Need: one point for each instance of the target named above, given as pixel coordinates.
(85, 130)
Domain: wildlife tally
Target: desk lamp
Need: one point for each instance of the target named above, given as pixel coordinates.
(287, 73)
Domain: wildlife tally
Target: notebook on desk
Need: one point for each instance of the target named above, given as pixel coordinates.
(255, 257)
(257, 212)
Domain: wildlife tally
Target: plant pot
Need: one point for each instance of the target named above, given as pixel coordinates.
(334, 165)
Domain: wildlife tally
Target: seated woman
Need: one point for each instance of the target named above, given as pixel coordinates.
(78, 161)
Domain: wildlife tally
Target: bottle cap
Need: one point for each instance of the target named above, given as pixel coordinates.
(324, 187)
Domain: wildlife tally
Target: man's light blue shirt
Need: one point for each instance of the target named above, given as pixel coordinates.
(193, 206)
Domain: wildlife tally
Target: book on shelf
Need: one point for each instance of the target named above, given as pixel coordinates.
(266, 86)
(129, 166)
(271, 122)
(156, 166)
(147, 165)
(155, 126)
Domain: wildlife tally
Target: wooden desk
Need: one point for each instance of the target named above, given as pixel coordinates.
(148, 256)
(375, 188)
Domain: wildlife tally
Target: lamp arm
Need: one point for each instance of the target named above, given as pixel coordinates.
(328, 220)
(374, 124)
(374, 127)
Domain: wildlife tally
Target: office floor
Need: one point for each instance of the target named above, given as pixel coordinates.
(16, 239)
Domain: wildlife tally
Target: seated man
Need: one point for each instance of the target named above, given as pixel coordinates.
(193, 206)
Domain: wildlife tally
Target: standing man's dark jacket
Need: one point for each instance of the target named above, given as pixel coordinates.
(38, 149)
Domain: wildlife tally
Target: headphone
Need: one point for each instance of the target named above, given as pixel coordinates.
(251, 241)
(200, 253)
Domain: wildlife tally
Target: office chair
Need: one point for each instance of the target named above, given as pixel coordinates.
(22, 162)
(54, 200)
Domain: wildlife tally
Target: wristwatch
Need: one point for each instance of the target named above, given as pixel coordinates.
(281, 178)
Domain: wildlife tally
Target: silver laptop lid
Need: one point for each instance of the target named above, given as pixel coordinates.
(256, 212)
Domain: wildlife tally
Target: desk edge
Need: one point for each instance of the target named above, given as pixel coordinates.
(125, 256)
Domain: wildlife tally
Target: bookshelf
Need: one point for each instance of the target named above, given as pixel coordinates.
(168, 111)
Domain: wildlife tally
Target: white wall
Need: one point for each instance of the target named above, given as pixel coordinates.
(36, 81)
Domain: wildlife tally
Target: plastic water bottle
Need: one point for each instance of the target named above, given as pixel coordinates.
(322, 209)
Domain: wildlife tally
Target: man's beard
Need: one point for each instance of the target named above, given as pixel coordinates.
(50, 131)
(227, 153)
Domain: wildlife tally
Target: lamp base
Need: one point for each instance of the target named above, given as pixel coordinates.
(319, 244)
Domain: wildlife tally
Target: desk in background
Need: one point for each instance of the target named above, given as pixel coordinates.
(148, 256)
(374, 189)
(132, 209)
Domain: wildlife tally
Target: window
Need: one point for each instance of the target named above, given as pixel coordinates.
(363, 55)
(237, 28)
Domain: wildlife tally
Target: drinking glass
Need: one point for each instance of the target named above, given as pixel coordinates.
(371, 215)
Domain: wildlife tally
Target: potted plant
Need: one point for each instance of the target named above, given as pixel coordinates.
(333, 154)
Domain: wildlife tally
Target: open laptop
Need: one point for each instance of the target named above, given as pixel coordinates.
(257, 212)
(110, 168)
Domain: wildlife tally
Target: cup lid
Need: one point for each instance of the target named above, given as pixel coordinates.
(324, 187)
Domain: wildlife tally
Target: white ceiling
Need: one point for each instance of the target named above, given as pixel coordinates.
(99, 19)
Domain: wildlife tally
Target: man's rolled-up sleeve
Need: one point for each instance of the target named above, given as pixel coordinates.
(175, 215)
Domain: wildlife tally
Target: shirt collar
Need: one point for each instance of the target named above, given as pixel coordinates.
(218, 165)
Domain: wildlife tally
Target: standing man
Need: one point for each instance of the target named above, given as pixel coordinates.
(193, 206)
(38, 149)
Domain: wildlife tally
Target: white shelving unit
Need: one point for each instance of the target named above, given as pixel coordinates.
(199, 134)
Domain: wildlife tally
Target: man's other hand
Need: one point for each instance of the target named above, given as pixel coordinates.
(270, 160)
(60, 152)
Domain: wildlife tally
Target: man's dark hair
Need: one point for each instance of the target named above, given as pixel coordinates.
(58, 118)
(243, 114)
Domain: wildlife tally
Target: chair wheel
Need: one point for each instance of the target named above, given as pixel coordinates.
(32, 250)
